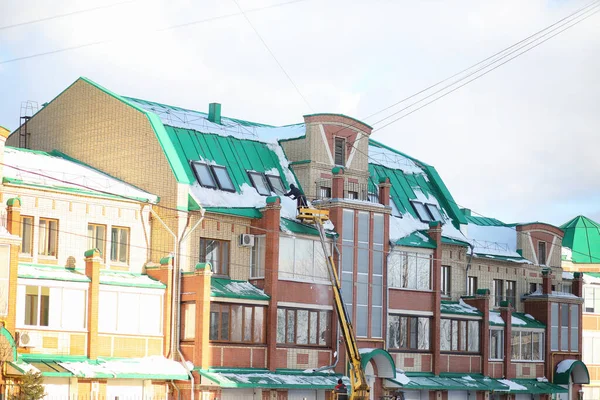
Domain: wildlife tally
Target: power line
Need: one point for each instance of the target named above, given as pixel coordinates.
(120, 39)
(272, 54)
(65, 14)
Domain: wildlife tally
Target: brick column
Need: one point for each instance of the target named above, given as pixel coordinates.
(271, 215)
(482, 302)
(546, 282)
(435, 233)
(337, 183)
(202, 354)
(577, 287)
(93, 262)
(506, 314)
(13, 216)
(384, 191)
(164, 274)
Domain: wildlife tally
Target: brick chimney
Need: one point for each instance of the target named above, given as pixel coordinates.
(577, 287)
(546, 281)
(384, 191)
(337, 183)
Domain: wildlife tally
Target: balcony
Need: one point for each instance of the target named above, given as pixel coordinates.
(352, 191)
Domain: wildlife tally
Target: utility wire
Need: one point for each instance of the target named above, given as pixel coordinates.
(66, 14)
(273, 55)
(120, 39)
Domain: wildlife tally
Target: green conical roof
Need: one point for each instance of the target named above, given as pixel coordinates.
(582, 236)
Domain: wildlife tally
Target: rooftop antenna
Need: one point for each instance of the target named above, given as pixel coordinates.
(28, 109)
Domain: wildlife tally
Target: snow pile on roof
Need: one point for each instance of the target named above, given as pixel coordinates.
(496, 318)
(403, 227)
(553, 294)
(517, 321)
(566, 253)
(387, 158)
(493, 240)
(231, 378)
(401, 377)
(591, 279)
(564, 366)
(568, 275)
(512, 385)
(39, 168)
(468, 378)
(459, 307)
(128, 279)
(34, 271)
(190, 119)
(154, 365)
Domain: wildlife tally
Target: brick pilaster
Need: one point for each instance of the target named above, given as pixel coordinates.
(435, 233)
(506, 314)
(546, 282)
(577, 287)
(482, 302)
(337, 183)
(384, 191)
(13, 216)
(164, 274)
(93, 262)
(271, 215)
(202, 354)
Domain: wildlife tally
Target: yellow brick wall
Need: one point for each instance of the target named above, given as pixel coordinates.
(102, 131)
(57, 342)
(129, 346)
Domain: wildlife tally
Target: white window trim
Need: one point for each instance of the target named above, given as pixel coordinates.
(461, 317)
(239, 301)
(290, 304)
(324, 281)
(136, 290)
(410, 312)
(490, 332)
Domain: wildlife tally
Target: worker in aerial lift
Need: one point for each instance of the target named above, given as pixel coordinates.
(341, 390)
(296, 194)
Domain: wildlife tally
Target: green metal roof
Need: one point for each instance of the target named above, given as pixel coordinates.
(456, 242)
(263, 378)
(459, 307)
(247, 212)
(582, 236)
(518, 321)
(417, 239)
(50, 272)
(533, 386)
(222, 287)
(118, 278)
(428, 381)
(297, 227)
(484, 221)
(520, 260)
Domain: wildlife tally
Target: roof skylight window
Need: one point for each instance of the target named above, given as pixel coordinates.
(259, 182)
(223, 178)
(435, 213)
(395, 211)
(422, 212)
(276, 184)
(203, 174)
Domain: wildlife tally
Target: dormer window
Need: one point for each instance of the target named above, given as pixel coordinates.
(260, 183)
(213, 176)
(395, 211)
(427, 212)
(340, 151)
(276, 184)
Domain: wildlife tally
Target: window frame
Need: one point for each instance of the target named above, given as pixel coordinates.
(461, 333)
(31, 236)
(48, 229)
(119, 292)
(55, 313)
(188, 308)
(402, 282)
(275, 178)
(296, 274)
(446, 281)
(258, 251)
(531, 333)
(342, 140)
(423, 214)
(429, 207)
(228, 306)
(214, 183)
(472, 285)
(294, 343)
(513, 292)
(324, 192)
(542, 255)
(409, 340)
(251, 175)
(499, 347)
(498, 297)
(221, 254)
(213, 169)
(95, 239)
(112, 244)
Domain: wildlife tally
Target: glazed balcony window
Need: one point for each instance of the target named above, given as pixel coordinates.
(408, 270)
(409, 332)
(303, 327)
(52, 307)
(459, 336)
(237, 323)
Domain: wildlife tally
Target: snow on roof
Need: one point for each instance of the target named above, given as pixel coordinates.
(190, 119)
(517, 321)
(153, 365)
(50, 272)
(512, 385)
(564, 366)
(495, 318)
(401, 377)
(401, 227)
(568, 275)
(128, 279)
(387, 158)
(591, 279)
(55, 170)
(553, 294)
(567, 253)
(459, 307)
(493, 240)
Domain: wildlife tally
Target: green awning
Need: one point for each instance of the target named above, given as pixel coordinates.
(571, 368)
(417, 239)
(386, 368)
(263, 378)
(248, 212)
(534, 386)
(428, 381)
(51, 272)
(221, 287)
(289, 225)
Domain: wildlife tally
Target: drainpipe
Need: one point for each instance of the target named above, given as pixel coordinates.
(184, 363)
(176, 389)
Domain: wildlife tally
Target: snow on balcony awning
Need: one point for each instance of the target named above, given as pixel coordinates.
(428, 381)
(228, 288)
(119, 278)
(51, 272)
(265, 379)
(534, 386)
(459, 307)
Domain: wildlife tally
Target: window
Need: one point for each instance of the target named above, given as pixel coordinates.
(591, 297)
(97, 238)
(533, 287)
(276, 184)
(446, 280)
(362, 284)
(496, 344)
(574, 327)
(260, 183)
(188, 320)
(542, 252)
(223, 178)
(203, 174)
(237, 323)
(459, 335)
(131, 312)
(257, 258)
(377, 256)
(302, 259)
(395, 211)
(27, 235)
(4, 278)
(422, 212)
(340, 151)
(119, 246)
(498, 291)
(324, 192)
(48, 240)
(472, 286)
(348, 260)
(373, 197)
(215, 252)
(53, 307)
(303, 327)
(554, 327)
(352, 195)
(564, 327)
(511, 292)
(435, 213)
(527, 346)
(408, 332)
(409, 270)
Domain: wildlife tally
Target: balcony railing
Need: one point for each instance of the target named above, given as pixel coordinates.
(352, 191)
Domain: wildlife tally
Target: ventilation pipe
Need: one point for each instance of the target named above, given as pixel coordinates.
(214, 113)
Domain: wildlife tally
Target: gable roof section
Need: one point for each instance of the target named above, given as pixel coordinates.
(582, 236)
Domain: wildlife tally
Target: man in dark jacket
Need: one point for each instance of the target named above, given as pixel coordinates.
(296, 194)
(341, 390)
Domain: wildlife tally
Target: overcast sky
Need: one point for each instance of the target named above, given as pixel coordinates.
(519, 144)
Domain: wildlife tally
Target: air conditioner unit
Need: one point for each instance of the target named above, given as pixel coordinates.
(27, 340)
(246, 240)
